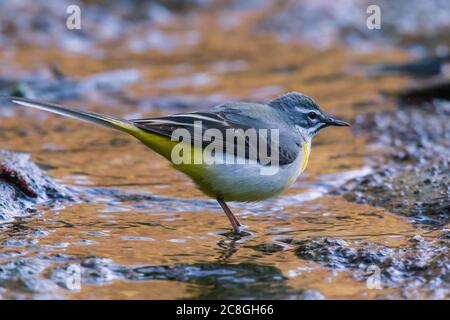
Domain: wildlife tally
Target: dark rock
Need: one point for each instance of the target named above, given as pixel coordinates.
(420, 269)
(223, 280)
(209, 273)
(425, 91)
(420, 68)
(267, 247)
(43, 23)
(23, 186)
(423, 194)
(308, 295)
(324, 23)
(35, 277)
(66, 88)
(412, 132)
(24, 275)
(338, 254)
(416, 150)
(183, 5)
(415, 136)
(226, 281)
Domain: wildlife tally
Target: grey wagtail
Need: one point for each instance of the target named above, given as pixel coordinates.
(296, 117)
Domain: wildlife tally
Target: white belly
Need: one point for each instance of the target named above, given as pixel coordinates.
(244, 182)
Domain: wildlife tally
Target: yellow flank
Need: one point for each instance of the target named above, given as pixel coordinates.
(197, 169)
(157, 143)
(164, 146)
(302, 165)
(305, 156)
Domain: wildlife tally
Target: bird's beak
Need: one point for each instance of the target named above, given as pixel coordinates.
(335, 122)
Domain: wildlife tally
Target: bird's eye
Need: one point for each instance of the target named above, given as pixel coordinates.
(312, 115)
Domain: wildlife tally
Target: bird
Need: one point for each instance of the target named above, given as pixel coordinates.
(295, 117)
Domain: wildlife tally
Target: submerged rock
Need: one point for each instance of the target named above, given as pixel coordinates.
(24, 276)
(422, 193)
(42, 23)
(420, 269)
(411, 132)
(23, 186)
(61, 87)
(267, 248)
(324, 23)
(425, 91)
(415, 180)
(225, 281)
(338, 254)
(60, 274)
(420, 68)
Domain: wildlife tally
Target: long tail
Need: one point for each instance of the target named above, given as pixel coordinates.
(103, 120)
(156, 142)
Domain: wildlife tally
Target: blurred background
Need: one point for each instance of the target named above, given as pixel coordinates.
(372, 207)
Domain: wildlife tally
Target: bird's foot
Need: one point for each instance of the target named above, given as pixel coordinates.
(237, 233)
(237, 229)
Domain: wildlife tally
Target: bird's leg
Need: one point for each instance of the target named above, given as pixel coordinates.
(234, 222)
(229, 212)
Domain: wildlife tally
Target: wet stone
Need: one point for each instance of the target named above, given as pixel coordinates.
(420, 68)
(324, 23)
(412, 132)
(23, 186)
(338, 254)
(423, 194)
(267, 248)
(420, 269)
(24, 274)
(61, 87)
(426, 91)
(225, 281)
(106, 22)
(415, 179)
(209, 273)
(309, 295)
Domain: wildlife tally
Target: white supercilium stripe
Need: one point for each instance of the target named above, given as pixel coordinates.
(196, 116)
(156, 122)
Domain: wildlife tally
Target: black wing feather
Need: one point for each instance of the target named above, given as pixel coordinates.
(223, 119)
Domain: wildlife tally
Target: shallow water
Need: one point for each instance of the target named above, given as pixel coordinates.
(139, 212)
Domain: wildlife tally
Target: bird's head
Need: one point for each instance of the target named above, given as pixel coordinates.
(304, 113)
